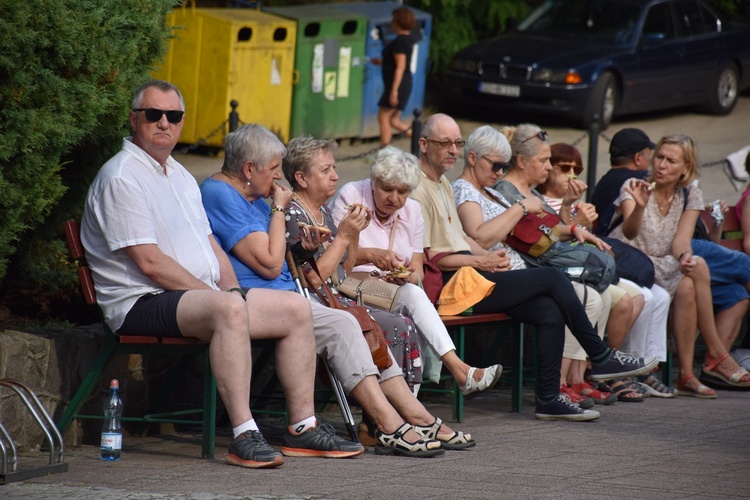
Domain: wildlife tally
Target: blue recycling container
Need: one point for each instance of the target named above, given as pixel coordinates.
(379, 34)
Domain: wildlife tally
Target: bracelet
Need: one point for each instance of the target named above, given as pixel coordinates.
(277, 208)
(240, 291)
(573, 228)
(525, 212)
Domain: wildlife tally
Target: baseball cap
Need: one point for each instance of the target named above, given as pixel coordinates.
(629, 141)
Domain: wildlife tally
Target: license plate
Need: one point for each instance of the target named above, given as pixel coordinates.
(500, 89)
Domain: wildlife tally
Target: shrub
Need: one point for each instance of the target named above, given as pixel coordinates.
(67, 72)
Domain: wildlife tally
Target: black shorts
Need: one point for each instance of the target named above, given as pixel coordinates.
(404, 90)
(153, 315)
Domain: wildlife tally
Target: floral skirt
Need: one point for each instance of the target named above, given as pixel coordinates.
(401, 337)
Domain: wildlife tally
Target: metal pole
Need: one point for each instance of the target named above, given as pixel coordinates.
(234, 117)
(416, 132)
(593, 146)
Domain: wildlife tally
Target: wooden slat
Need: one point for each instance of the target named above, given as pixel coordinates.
(474, 319)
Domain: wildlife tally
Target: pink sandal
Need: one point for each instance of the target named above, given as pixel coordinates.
(701, 391)
(740, 378)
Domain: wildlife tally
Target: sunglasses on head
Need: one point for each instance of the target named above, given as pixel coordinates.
(541, 135)
(497, 166)
(565, 168)
(154, 115)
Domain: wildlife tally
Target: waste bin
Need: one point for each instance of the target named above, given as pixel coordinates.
(379, 34)
(221, 55)
(328, 66)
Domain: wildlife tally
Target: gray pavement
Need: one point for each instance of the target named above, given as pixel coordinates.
(668, 449)
(683, 448)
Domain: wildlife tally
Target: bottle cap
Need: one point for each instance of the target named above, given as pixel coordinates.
(114, 384)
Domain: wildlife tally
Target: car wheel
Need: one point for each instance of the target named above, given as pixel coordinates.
(602, 101)
(724, 91)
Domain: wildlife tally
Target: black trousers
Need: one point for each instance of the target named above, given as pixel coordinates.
(543, 297)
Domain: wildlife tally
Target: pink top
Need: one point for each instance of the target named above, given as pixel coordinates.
(409, 237)
(738, 206)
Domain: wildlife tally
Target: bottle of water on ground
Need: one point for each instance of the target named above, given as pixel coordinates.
(112, 428)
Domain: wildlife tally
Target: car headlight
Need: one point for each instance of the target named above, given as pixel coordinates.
(465, 65)
(569, 77)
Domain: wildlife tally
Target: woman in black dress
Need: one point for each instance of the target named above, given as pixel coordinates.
(396, 76)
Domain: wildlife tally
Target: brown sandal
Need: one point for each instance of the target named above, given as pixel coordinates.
(739, 379)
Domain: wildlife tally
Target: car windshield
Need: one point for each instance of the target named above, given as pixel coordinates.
(595, 20)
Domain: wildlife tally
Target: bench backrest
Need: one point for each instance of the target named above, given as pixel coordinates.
(72, 230)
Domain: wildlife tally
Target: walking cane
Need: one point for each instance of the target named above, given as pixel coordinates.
(338, 389)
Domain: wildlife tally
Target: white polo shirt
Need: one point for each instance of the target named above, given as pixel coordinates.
(132, 202)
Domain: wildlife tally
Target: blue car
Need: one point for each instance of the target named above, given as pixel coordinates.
(601, 58)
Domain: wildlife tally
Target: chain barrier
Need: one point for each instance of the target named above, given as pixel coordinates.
(202, 140)
(359, 156)
(586, 135)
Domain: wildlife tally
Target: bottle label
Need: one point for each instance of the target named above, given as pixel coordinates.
(111, 441)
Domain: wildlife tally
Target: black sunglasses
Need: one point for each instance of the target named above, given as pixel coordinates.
(541, 135)
(154, 115)
(497, 166)
(577, 169)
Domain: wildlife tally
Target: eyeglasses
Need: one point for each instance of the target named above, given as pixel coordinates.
(154, 115)
(447, 144)
(541, 135)
(565, 168)
(497, 166)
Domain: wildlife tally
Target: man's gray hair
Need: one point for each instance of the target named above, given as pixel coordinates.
(396, 168)
(251, 143)
(487, 141)
(300, 153)
(158, 84)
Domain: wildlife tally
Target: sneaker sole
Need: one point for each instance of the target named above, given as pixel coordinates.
(640, 371)
(580, 417)
(304, 452)
(252, 464)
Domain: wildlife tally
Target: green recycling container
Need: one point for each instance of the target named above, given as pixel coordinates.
(328, 71)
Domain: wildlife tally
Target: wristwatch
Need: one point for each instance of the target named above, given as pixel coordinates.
(277, 208)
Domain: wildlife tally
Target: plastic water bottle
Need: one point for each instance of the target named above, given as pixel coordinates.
(112, 428)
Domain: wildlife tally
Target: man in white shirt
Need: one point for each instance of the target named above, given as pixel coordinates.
(158, 271)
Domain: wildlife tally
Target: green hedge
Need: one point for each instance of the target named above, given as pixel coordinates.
(67, 72)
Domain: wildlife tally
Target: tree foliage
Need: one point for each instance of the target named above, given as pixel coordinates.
(67, 72)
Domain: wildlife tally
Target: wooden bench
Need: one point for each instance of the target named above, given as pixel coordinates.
(186, 347)
(456, 326)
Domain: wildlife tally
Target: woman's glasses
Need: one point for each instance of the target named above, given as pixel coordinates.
(541, 135)
(497, 166)
(566, 168)
(154, 115)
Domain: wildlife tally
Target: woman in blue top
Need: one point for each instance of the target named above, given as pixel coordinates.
(254, 235)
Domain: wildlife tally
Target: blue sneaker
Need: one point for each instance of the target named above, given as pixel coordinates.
(620, 365)
(561, 408)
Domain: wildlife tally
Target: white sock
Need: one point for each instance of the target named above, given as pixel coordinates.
(305, 424)
(250, 425)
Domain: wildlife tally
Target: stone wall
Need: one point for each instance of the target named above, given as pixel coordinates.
(53, 363)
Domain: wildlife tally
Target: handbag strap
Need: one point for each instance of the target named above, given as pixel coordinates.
(392, 236)
(330, 298)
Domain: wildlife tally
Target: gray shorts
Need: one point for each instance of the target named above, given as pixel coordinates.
(153, 315)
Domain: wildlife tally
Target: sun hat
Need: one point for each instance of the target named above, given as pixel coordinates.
(463, 290)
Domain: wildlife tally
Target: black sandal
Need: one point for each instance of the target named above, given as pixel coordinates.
(624, 390)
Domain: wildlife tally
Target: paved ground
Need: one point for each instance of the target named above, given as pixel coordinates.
(658, 449)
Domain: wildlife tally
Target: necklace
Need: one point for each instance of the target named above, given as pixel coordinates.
(662, 206)
(235, 186)
(310, 212)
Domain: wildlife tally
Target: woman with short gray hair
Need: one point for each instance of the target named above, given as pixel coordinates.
(393, 241)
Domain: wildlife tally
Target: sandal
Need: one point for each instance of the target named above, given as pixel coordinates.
(456, 441)
(701, 391)
(367, 431)
(655, 387)
(740, 378)
(576, 397)
(625, 392)
(599, 397)
(395, 444)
